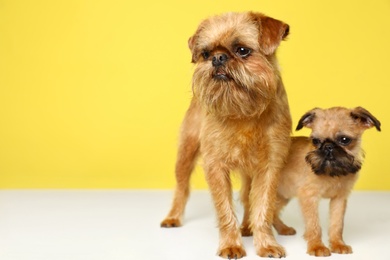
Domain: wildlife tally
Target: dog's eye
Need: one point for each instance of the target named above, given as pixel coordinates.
(206, 54)
(243, 52)
(316, 141)
(344, 140)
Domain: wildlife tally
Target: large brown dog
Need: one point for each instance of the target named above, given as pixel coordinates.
(326, 165)
(239, 120)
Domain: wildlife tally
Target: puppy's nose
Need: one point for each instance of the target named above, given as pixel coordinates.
(219, 59)
(328, 147)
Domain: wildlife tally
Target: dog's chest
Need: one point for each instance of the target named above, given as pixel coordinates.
(331, 187)
(236, 145)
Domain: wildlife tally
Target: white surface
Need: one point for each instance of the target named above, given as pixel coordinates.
(111, 225)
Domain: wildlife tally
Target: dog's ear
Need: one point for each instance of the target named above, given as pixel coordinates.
(365, 118)
(191, 45)
(192, 41)
(271, 32)
(306, 120)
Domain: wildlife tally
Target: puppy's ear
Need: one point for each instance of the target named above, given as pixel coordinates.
(365, 118)
(306, 120)
(272, 32)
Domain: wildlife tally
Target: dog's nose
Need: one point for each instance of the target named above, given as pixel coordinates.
(219, 59)
(328, 147)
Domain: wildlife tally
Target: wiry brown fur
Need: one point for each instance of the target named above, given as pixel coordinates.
(238, 120)
(299, 177)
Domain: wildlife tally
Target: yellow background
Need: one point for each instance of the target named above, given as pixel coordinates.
(92, 93)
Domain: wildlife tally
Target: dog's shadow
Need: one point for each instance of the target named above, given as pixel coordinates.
(199, 208)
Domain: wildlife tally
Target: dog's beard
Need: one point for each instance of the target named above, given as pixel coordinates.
(340, 163)
(233, 92)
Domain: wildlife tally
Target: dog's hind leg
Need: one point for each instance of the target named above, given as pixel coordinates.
(278, 224)
(245, 191)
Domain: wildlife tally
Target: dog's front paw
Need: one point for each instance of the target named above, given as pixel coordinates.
(233, 252)
(318, 250)
(340, 248)
(272, 252)
(170, 222)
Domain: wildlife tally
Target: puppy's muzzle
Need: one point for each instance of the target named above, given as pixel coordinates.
(327, 147)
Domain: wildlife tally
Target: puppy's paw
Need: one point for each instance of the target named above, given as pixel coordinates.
(233, 252)
(318, 250)
(287, 231)
(340, 248)
(272, 252)
(246, 231)
(170, 222)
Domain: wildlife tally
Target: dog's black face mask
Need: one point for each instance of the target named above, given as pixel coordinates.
(331, 159)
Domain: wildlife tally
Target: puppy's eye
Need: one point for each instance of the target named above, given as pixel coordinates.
(344, 140)
(206, 54)
(316, 141)
(243, 52)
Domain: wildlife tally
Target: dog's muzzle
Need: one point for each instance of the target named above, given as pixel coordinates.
(219, 59)
(327, 147)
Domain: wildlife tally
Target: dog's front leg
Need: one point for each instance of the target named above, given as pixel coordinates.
(338, 206)
(185, 163)
(262, 198)
(309, 205)
(230, 242)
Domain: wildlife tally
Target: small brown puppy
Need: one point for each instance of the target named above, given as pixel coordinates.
(239, 120)
(326, 165)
